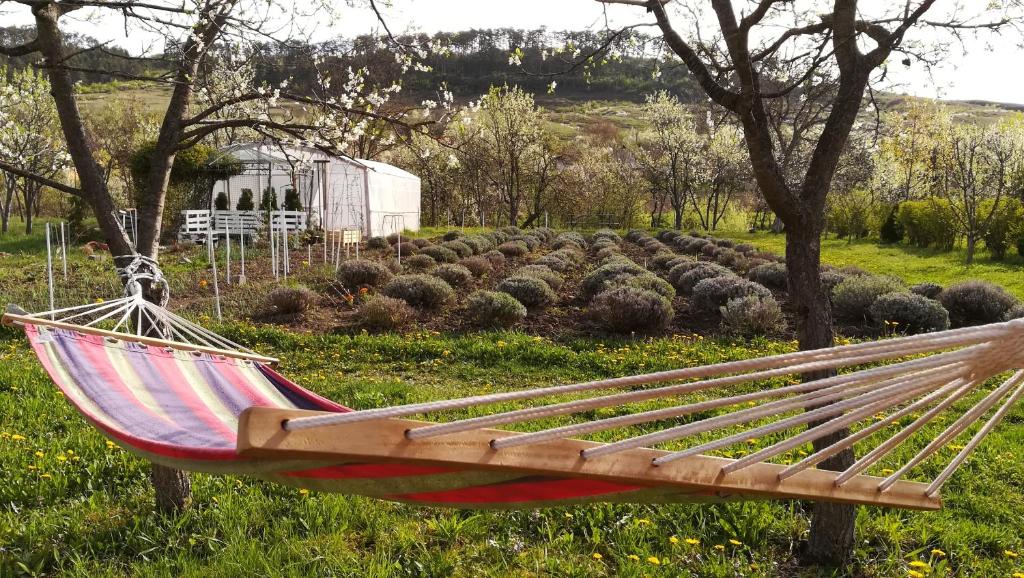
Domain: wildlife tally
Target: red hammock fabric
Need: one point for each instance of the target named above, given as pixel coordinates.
(181, 408)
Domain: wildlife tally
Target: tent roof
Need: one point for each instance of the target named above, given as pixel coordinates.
(255, 151)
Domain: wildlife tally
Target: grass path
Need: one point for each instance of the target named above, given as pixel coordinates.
(912, 264)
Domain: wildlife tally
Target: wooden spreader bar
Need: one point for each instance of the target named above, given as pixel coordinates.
(260, 434)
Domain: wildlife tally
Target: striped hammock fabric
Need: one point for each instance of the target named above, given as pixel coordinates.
(181, 409)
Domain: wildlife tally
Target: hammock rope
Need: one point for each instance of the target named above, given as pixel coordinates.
(885, 382)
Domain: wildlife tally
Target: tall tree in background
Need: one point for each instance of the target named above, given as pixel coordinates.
(202, 37)
(733, 57)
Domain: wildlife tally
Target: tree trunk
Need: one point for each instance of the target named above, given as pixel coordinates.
(173, 488)
(832, 525)
(972, 244)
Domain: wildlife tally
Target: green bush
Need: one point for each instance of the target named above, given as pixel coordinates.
(221, 202)
(572, 237)
(909, 313)
(630, 309)
(383, 313)
(731, 258)
(554, 262)
(268, 200)
(648, 282)
(976, 303)
(496, 258)
(513, 248)
(532, 243)
(569, 255)
(479, 266)
(291, 300)
(661, 260)
(440, 254)
(494, 309)
(596, 281)
(687, 276)
(929, 223)
(245, 202)
(712, 293)
(357, 273)
(606, 252)
(634, 235)
(478, 243)
(530, 291)
(406, 248)
(852, 299)
(420, 242)
(771, 275)
(377, 243)
(292, 202)
(1016, 312)
(554, 280)
(456, 275)
(461, 249)
(1002, 227)
(420, 290)
(929, 290)
(419, 263)
(452, 235)
(752, 316)
(891, 231)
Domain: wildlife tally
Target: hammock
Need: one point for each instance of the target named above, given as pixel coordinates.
(199, 402)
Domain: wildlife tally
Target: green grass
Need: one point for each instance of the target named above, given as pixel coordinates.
(72, 505)
(912, 264)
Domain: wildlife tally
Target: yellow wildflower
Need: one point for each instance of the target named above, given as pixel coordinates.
(674, 540)
(654, 560)
(735, 542)
(17, 437)
(596, 556)
(303, 492)
(633, 557)
(40, 454)
(1017, 575)
(45, 476)
(918, 564)
(719, 547)
(1010, 553)
(915, 574)
(692, 541)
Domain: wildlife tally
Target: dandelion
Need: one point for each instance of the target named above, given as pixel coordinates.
(596, 556)
(303, 492)
(17, 438)
(674, 540)
(62, 458)
(110, 445)
(654, 560)
(719, 547)
(203, 283)
(735, 542)
(568, 516)
(643, 522)
(501, 343)
(915, 574)
(40, 454)
(1017, 575)
(692, 541)
(919, 564)
(1010, 553)
(46, 476)
(633, 557)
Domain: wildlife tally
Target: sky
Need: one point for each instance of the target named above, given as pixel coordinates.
(982, 69)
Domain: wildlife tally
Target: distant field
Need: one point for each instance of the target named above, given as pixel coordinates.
(912, 264)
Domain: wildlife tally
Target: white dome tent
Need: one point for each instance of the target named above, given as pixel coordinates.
(337, 193)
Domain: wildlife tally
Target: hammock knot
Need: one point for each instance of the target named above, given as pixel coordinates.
(142, 269)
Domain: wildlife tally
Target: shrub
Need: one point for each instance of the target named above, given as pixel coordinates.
(746, 248)
(727, 243)
(554, 280)
(608, 252)
(606, 234)
(712, 293)
(421, 242)
(662, 259)
(478, 244)
(419, 262)
(599, 244)
(547, 234)
(511, 230)
(532, 243)
(494, 309)
(568, 254)
(752, 316)
(573, 237)
(627, 309)
(513, 248)
(440, 254)
(852, 299)
(668, 235)
(976, 302)
(771, 275)
(678, 269)
(291, 300)
(453, 274)
(729, 258)
(420, 290)
(708, 251)
(246, 201)
(596, 280)
(460, 248)
(909, 313)
(221, 202)
(1014, 313)
(382, 312)
(695, 246)
(356, 273)
(392, 238)
(451, 235)
(377, 243)
(891, 231)
(406, 248)
(830, 279)
(929, 290)
(649, 282)
(687, 280)
(530, 291)
(635, 235)
(478, 266)
(560, 243)
(496, 258)
(929, 223)
(554, 262)
(1000, 231)
(496, 237)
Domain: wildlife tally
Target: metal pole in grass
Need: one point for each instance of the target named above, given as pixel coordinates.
(241, 246)
(227, 252)
(284, 251)
(64, 251)
(273, 246)
(213, 263)
(49, 268)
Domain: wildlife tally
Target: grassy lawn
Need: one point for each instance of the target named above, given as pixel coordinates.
(72, 504)
(912, 264)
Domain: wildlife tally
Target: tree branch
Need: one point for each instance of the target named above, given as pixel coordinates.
(45, 181)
